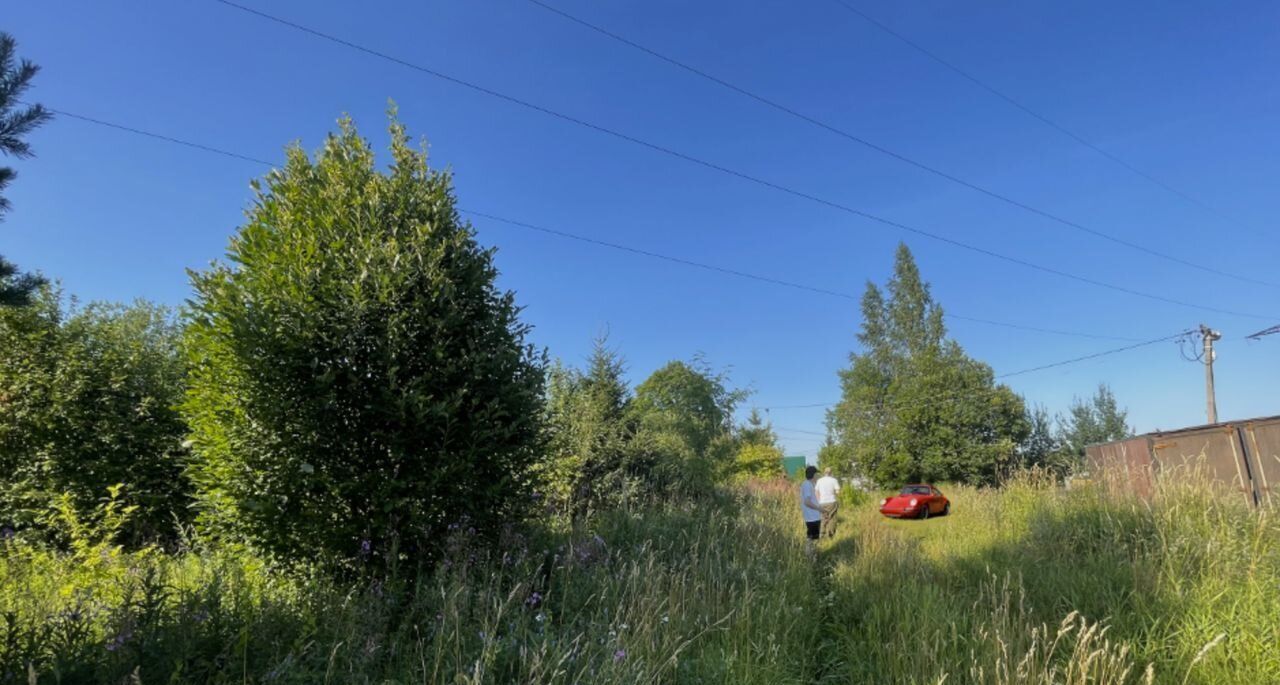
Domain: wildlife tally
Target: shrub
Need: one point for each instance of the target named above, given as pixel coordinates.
(88, 401)
(358, 381)
(759, 461)
(684, 418)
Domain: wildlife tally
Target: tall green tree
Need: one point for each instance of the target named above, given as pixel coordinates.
(16, 121)
(1092, 420)
(590, 462)
(914, 406)
(684, 414)
(88, 401)
(757, 431)
(1042, 447)
(759, 454)
(359, 382)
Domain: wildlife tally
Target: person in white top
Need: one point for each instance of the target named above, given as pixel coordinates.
(809, 510)
(828, 488)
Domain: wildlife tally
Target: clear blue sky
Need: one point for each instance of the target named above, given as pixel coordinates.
(1185, 91)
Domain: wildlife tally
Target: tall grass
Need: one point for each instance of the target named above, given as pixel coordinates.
(663, 595)
(1032, 584)
(1028, 585)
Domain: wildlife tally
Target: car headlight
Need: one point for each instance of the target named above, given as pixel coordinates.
(884, 501)
(914, 502)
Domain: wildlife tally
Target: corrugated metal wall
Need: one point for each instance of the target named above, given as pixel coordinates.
(1242, 456)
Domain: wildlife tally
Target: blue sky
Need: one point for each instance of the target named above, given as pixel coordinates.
(1184, 91)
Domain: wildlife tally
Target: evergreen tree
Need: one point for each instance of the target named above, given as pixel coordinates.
(759, 454)
(914, 406)
(757, 431)
(589, 463)
(16, 121)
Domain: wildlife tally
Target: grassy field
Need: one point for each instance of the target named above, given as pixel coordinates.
(1029, 584)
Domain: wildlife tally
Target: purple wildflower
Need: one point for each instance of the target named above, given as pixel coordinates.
(619, 655)
(533, 600)
(6, 533)
(366, 548)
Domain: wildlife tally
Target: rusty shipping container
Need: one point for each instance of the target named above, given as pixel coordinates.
(1127, 461)
(1262, 443)
(1243, 457)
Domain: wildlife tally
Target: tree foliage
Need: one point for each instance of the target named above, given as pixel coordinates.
(759, 454)
(1096, 419)
(16, 121)
(358, 381)
(610, 446)
(914, 406)
(1039, 448)
(684, 413)
(88, 401)
(591, 462)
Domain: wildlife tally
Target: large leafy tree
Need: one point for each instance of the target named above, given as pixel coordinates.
(359, 383)
(684, 413)
(914, 406)
(16, 121)
(88, 401)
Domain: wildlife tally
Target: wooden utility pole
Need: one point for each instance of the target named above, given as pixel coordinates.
(1209, 335)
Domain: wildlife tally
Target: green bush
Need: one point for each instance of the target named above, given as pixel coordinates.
(88, 401)
(358, 381)
(683, 414)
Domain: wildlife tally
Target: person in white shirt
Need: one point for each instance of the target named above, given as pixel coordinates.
(809, 510)
(827, 489)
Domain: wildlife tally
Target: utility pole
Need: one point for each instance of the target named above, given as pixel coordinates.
(1209, 335)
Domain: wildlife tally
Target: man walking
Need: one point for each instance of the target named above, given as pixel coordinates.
(827, 489)
(809, 511)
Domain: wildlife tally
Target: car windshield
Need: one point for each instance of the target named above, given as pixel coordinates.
(915, 490)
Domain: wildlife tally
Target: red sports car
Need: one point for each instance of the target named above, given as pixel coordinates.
(916, 501)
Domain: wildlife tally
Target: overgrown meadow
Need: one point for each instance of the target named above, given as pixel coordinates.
(1029, 584)
(344, 462)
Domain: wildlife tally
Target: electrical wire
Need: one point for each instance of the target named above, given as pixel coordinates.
(896, 155)
(586, 239)
(1034, 114)
(738, 174)
(227, 153)
(1042, 367)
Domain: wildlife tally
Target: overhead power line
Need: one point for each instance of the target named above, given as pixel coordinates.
(1095, 355)
(158, 136)
(1042, 367)
(843, 133)
(766, 279)
(1263, 333)
(739, 174)
(227, 153)
(797, 430)
(585, 239)
(1033, 113)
